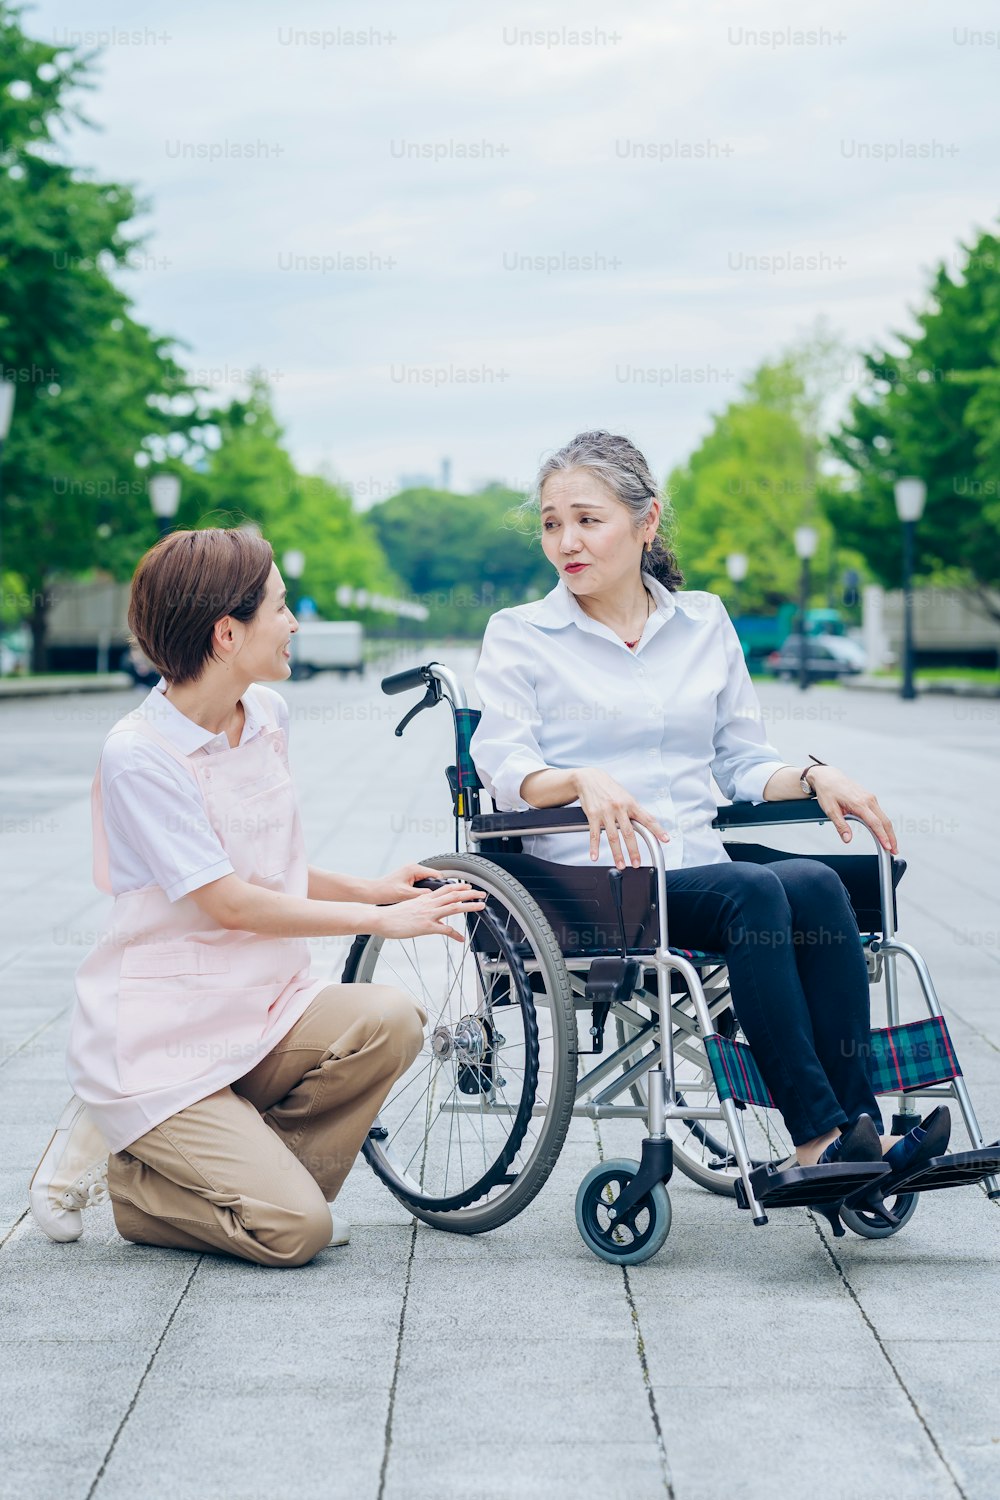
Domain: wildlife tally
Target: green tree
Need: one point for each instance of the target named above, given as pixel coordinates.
(755, 477)
(246, 474)
(464, 556)
(95, 389)
(931, 408)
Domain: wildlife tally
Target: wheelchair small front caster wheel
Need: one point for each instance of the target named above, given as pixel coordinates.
(871, 1227)
(642, 1230)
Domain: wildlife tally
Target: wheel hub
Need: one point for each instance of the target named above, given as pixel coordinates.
(468, 1042)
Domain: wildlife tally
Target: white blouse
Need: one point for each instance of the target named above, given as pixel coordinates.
(560, 690)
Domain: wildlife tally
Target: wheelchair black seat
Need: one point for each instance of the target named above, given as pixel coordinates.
(576, 900)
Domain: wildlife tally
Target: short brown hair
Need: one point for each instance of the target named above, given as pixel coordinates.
(187, 582)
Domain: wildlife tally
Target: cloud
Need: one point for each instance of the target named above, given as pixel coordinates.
(672, 191)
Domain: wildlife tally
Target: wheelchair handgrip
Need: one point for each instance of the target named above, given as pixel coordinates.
(405, 682)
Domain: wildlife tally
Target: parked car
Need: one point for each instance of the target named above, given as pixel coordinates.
(827, 656)
(139, 667)
(327, 646)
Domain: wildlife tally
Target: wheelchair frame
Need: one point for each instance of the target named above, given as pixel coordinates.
(616, 1074)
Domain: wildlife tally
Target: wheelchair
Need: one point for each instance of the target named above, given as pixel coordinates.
(566, 999)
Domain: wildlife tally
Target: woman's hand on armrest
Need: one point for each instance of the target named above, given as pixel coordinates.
(607, 804)
(836, 794)
(240, 906)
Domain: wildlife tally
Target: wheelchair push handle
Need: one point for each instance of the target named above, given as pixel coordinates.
(405, 682)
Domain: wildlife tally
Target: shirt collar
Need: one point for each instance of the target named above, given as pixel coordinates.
(185, 733)
(559, 608)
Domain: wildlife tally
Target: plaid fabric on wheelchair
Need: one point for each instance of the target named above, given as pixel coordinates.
(466, 720)
(913, 1056)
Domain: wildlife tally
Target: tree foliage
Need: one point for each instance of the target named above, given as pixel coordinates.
(932, 409)
(248, 475)
(754, 478)
(95, 388)
(464, 556)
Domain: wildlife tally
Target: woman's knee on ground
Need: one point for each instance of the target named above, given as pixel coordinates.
(291, 1234)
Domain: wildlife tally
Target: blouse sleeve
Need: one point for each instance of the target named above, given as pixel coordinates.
(505, 745)
(745, 760)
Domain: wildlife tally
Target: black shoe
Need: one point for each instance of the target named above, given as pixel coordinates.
(860, 1142)
(910, 1155)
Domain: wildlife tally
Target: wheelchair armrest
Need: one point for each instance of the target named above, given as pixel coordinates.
(763, 814)
(492, 824)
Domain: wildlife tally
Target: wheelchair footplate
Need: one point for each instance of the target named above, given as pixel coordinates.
(960, 1169)
(796, 1187)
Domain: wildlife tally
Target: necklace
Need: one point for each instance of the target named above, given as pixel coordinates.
(649, 610)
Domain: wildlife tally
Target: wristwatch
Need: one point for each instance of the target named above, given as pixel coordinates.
(803, 783)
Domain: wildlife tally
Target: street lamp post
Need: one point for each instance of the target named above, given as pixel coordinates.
(7, 392)
(910, 496)
(164, 496)
(806, 540)
(737, 565)
(294, 563)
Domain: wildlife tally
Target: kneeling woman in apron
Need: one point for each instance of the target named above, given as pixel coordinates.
(232, 1090)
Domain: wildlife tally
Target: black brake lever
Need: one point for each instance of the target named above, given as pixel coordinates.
(429, 700)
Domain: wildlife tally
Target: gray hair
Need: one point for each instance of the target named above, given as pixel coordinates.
(623, 470)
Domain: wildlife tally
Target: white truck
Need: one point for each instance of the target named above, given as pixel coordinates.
(327, 646)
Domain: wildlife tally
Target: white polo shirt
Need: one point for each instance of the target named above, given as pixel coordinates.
(560, 690)
(157, 828)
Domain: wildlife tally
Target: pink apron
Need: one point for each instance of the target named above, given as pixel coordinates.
(170, 1006)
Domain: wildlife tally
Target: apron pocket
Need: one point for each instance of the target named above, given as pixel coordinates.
(185, 1020)
(261, 832)
(169, 960)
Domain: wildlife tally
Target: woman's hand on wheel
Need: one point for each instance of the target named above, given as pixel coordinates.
(399, 886)
(609, 807)
(837, 795)
(424, 914)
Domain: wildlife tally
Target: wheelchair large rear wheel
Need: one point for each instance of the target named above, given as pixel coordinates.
(469, 1134)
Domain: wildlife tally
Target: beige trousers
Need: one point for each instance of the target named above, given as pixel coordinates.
(249, 1170)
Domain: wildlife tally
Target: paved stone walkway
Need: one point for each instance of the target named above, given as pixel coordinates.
(739, 1362)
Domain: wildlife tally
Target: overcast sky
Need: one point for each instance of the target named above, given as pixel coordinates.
(485, 228)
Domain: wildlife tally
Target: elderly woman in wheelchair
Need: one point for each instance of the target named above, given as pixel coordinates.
(608, 708)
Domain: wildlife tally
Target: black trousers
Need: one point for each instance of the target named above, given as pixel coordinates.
(798, 980)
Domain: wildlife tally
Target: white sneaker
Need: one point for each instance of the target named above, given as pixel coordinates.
(341, 1232)
(72, 1174)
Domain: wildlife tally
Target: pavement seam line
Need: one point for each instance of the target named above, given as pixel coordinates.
(887, 1357)
(15, 1225)
(142, 1380)
(383, 1471)
(640, 1349)
(36, 1033)
(647, 1382)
